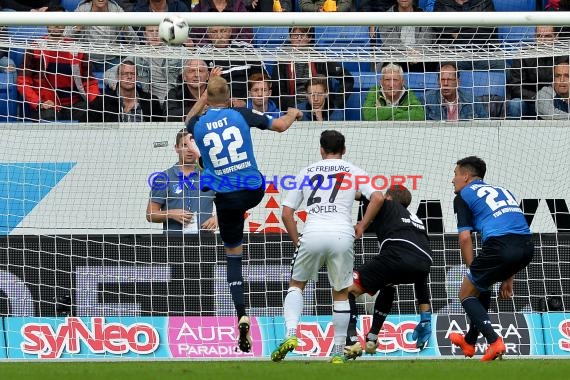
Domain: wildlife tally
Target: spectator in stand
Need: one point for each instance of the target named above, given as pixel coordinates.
(268, 5)
(39, 6)
(155, 75)
(182, 98)
(409, 37)
(198, 35)
(101, 35)
(450, 102)
(236, 73)
(374, 5)
(7, 65)
(527, 76)
(326, 5)
(557, 5)
(560, 5)
(290, 77)
(316, 108)
(161, 6)
(552, 102)
(391, 100)
(259, 96)
(127, 104)
(469, 35)
(56, 85)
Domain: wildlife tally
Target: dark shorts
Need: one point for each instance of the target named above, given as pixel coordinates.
(230, 208)
(398, 263)
(500, 259)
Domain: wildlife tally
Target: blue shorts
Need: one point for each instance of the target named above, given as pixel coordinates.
(231, 208)
(501, 258)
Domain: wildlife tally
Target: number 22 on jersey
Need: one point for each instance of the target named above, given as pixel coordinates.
(214, 142)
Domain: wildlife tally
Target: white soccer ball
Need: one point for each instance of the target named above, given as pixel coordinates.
(173, 30)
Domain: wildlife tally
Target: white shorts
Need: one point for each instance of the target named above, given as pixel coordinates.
(333, 249)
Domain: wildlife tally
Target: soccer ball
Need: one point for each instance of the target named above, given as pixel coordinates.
(173, 30)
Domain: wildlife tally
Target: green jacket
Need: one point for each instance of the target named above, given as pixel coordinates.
(408, 109)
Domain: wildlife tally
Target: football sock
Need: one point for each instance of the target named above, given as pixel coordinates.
(479, 317)
(351, 335)
(473, 333)
(340, 319)
(235, 282)
(382, 307)
(292, 309)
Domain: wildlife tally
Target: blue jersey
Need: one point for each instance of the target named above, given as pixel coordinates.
(490, 210)
(224, 140)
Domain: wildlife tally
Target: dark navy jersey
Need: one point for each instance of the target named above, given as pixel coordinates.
(395, 223)
(224, 140)
(489, 210)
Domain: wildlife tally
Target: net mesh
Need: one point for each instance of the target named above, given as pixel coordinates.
(73, 195)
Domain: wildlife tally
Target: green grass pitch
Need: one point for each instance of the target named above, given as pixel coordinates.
(508, 369)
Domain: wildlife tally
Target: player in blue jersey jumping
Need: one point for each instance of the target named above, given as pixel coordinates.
(223, 137)
(507, 248)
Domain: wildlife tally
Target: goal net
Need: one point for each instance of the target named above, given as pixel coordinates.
(85, 274)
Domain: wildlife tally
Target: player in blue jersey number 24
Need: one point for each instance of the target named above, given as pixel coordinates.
(507, 248)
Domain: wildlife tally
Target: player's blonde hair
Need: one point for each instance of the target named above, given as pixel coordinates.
(218, 90)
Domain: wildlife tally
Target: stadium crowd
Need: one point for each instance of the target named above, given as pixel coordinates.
(46, 85)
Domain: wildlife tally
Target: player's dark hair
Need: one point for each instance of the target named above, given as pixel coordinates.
(332, 141)
(180, 135)
(400, 194)
(474, 165)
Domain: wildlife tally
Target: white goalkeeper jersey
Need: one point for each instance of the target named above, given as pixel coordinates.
(327, 189)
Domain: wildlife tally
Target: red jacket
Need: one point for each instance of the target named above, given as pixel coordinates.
(47, 75)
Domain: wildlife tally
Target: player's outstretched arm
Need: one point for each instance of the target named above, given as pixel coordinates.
(288, 216)
(284, 122)
(376, 202)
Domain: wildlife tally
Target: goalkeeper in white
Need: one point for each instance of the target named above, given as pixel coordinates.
(328, 189)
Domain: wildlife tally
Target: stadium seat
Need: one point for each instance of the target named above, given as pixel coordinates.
(8, 98)
(427, 5)
(484, 82)
(70, 5)
(421, 82)
(354, 106)
(365, 80)
(270, 36)
(515, 5)
(23, 33)
(514, 34)
(342, 36)
(100, 79)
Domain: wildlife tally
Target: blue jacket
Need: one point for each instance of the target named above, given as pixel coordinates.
(272, 110)
(468, 110)
(331, 115)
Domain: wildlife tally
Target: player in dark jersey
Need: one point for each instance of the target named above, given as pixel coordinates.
(507, 248)
(405, 257)
(223, 137)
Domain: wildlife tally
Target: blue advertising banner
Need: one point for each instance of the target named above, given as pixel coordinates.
(86, 338)
(2, 342)
(556, 329)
